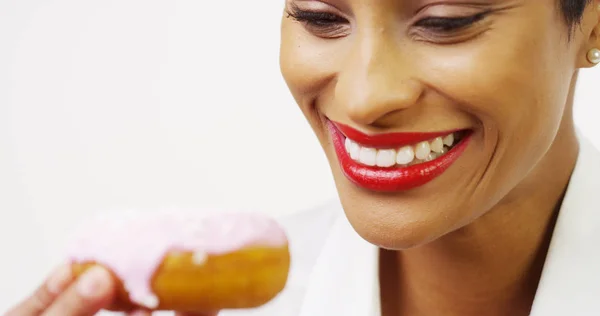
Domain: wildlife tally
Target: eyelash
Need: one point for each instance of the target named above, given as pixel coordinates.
(440, 25)
(449, 25)
(317, 19)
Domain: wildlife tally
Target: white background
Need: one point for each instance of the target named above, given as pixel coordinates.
(150, 104)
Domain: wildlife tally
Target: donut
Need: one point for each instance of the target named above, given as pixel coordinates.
(185, 261)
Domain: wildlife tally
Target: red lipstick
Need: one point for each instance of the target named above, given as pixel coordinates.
(399, 178)
(390, 140)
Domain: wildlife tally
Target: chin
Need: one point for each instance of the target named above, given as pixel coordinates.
(402, 237)
(395, 225)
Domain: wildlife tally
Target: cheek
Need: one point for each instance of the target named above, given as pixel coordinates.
(515, 83)
(307, 63)
(513, 91)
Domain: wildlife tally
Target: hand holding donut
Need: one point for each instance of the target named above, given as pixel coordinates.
(188, 263)
(64, 295)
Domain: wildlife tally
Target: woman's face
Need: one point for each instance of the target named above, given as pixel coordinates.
(384, 83)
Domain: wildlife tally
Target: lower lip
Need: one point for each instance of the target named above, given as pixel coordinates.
(393, 179)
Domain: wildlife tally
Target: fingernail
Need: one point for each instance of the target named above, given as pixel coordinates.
(59, 279)
(140, 313)
(94, 283)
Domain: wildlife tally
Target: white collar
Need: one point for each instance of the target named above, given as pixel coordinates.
(570, 283)
(345, 278)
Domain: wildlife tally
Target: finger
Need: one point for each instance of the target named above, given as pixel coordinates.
(92, 292)
(45, 295)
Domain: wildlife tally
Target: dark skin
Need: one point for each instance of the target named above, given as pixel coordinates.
(473, 241)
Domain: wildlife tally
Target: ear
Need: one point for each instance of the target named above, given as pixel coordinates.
(590, 46)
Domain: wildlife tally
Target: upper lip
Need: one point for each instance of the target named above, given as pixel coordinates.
(389, 140)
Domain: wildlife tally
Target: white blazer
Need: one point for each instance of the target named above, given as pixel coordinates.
(335, 272)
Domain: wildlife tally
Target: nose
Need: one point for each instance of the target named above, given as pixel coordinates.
(377, 80)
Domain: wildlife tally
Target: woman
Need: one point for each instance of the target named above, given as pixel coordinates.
(464, 186)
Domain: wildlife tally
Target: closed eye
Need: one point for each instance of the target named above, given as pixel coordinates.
(450, 24)
(320, 23)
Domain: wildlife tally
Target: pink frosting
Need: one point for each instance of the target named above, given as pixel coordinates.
(134, 245)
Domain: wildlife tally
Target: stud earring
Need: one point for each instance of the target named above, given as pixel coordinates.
(593, 56)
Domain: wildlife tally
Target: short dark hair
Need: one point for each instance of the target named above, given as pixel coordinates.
(573, 11)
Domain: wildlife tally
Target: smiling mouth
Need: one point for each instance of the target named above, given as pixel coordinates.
(403, 156)
(395, 161)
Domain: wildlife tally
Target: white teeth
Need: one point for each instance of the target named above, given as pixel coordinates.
(449, 140)
(405, 155)
(437, 145)
(368, 156)
(386, 158)
(354, 150)
(347, 144)
(431, 156)
(422, 150)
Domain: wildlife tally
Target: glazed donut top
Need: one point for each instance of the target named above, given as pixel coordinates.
(133, 245)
